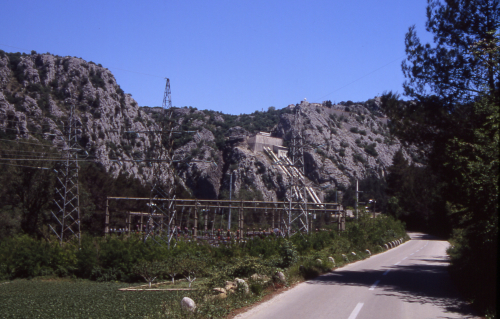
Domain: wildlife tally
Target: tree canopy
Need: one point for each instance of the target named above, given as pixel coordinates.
(463, 63)
(453, 112)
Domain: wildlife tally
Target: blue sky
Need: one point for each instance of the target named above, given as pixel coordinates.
(230, 56)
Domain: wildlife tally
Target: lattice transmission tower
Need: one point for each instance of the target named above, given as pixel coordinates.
(162, 213)
(296, 217)
(66, 215)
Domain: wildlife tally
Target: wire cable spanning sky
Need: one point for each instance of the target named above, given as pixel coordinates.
(232, 56)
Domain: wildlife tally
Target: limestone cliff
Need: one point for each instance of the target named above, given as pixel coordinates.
(38, 91)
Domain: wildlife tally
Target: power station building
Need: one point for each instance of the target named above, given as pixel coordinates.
(264, 139)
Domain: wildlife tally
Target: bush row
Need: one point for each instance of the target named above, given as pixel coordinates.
(115, 258)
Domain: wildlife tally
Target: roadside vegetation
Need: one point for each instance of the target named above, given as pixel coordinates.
(453, 87)
(100, 266)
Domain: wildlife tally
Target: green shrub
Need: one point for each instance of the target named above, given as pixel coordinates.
(289, 253)
(256, 288)
(370, 149)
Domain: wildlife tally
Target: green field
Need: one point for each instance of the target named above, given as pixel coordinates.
(79, 299)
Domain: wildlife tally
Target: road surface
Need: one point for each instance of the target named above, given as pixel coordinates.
(409, 281)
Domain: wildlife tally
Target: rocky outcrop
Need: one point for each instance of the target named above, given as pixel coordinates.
(340, 142)
(38, 92)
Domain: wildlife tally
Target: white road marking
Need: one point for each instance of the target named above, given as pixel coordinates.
(356, 310)
(411, 254)
(374, 285)
(386, 272)
(397, 263)
(405, 258)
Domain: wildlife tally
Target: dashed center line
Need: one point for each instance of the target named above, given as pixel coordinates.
(356, 310)
(374, 285)
(386, 272)
(397, 263)
(411, 254)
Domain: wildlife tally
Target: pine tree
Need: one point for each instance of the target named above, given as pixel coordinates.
(454, 86)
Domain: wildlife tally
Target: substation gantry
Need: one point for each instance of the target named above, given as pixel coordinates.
(170, 218)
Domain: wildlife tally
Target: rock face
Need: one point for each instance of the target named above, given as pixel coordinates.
(38, 92)
(341, 141)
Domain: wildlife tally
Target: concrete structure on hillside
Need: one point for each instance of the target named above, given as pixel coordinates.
(264, 139)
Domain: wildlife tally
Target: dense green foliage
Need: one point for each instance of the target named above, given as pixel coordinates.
(120, 258)
(414, 196)
(454, 114)
(27, 191)
(116, 257)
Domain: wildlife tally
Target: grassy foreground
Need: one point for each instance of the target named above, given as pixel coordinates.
(53, 297)
(64, 298)
(38, 298)
(49, 281)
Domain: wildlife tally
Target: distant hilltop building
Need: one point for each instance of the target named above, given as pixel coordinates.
(264, 139)
(304, 103)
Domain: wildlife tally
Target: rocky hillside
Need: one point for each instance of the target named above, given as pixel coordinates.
(37, 92)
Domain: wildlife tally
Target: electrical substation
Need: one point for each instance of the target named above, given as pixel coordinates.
(163, 218)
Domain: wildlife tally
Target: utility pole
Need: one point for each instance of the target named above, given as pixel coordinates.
(230, 198)
(357, 198)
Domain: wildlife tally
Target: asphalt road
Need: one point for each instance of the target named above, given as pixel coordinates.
(409, 281)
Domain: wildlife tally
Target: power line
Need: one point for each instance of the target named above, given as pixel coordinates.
(22, 151)
(383, 66)
(42, 159)
(22, 122)
(37, 167)
(20, 130)
(16, 141)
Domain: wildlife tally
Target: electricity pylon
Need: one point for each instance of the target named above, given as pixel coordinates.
(162, 213)
(296, 215)
(67, 197)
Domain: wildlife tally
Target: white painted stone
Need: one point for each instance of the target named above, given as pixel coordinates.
(242, 283)
(330, 259)
(281, 276)
(188, 304)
